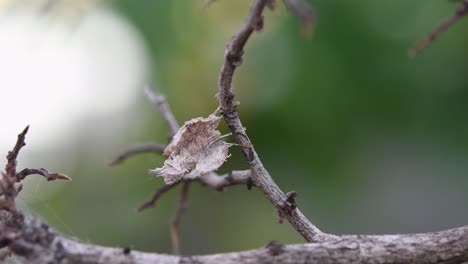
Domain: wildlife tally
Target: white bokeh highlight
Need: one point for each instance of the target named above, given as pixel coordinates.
(54, 73)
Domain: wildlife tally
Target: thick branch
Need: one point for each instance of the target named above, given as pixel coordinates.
(451, 246)
(260, 176)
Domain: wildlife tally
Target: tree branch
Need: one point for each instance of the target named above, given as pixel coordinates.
(138, 149)
(163, 107)
(260, 176)
(450, 246)
(156, 195)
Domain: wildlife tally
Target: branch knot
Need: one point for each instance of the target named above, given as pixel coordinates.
(288, 206)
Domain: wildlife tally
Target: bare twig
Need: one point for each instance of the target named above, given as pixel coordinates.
(156, 195)
(138, 149)
(10, 167)
(163, 107)
(461, 11)
(218, 182)
(7, 183)
(175, 221)
(13, 228)
(260, 176)
(43, 172)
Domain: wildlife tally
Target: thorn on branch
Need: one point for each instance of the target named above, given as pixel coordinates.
(43, 172)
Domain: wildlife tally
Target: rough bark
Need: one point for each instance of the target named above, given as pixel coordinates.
(450, 246)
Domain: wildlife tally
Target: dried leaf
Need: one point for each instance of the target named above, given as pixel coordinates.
(195, 150)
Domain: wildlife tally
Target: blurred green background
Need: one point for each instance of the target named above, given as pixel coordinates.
(370, 139)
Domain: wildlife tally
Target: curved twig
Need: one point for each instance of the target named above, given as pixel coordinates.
(260, 176)
(138, 149)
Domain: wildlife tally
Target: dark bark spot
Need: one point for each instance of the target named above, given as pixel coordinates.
(275, 248)
(127, 250)
(59, 251)
(250, 184)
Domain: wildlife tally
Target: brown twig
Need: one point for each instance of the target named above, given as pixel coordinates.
(176, 219)
(156, 195)
(260, 176)
(138, 149)
(161, 104)
(461, 11)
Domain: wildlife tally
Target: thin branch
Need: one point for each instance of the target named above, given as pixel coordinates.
(176, 219)
(161, 104)
(260, 176)
(43, 172)
(156, 195)
(461, 11)
(138, 149)
(10, 167)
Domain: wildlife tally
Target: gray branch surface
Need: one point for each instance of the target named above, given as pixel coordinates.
(450, 246)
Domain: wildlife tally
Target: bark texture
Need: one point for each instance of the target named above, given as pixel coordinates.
(450, 246)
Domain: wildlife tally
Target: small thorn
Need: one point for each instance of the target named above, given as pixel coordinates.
(63, 177)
